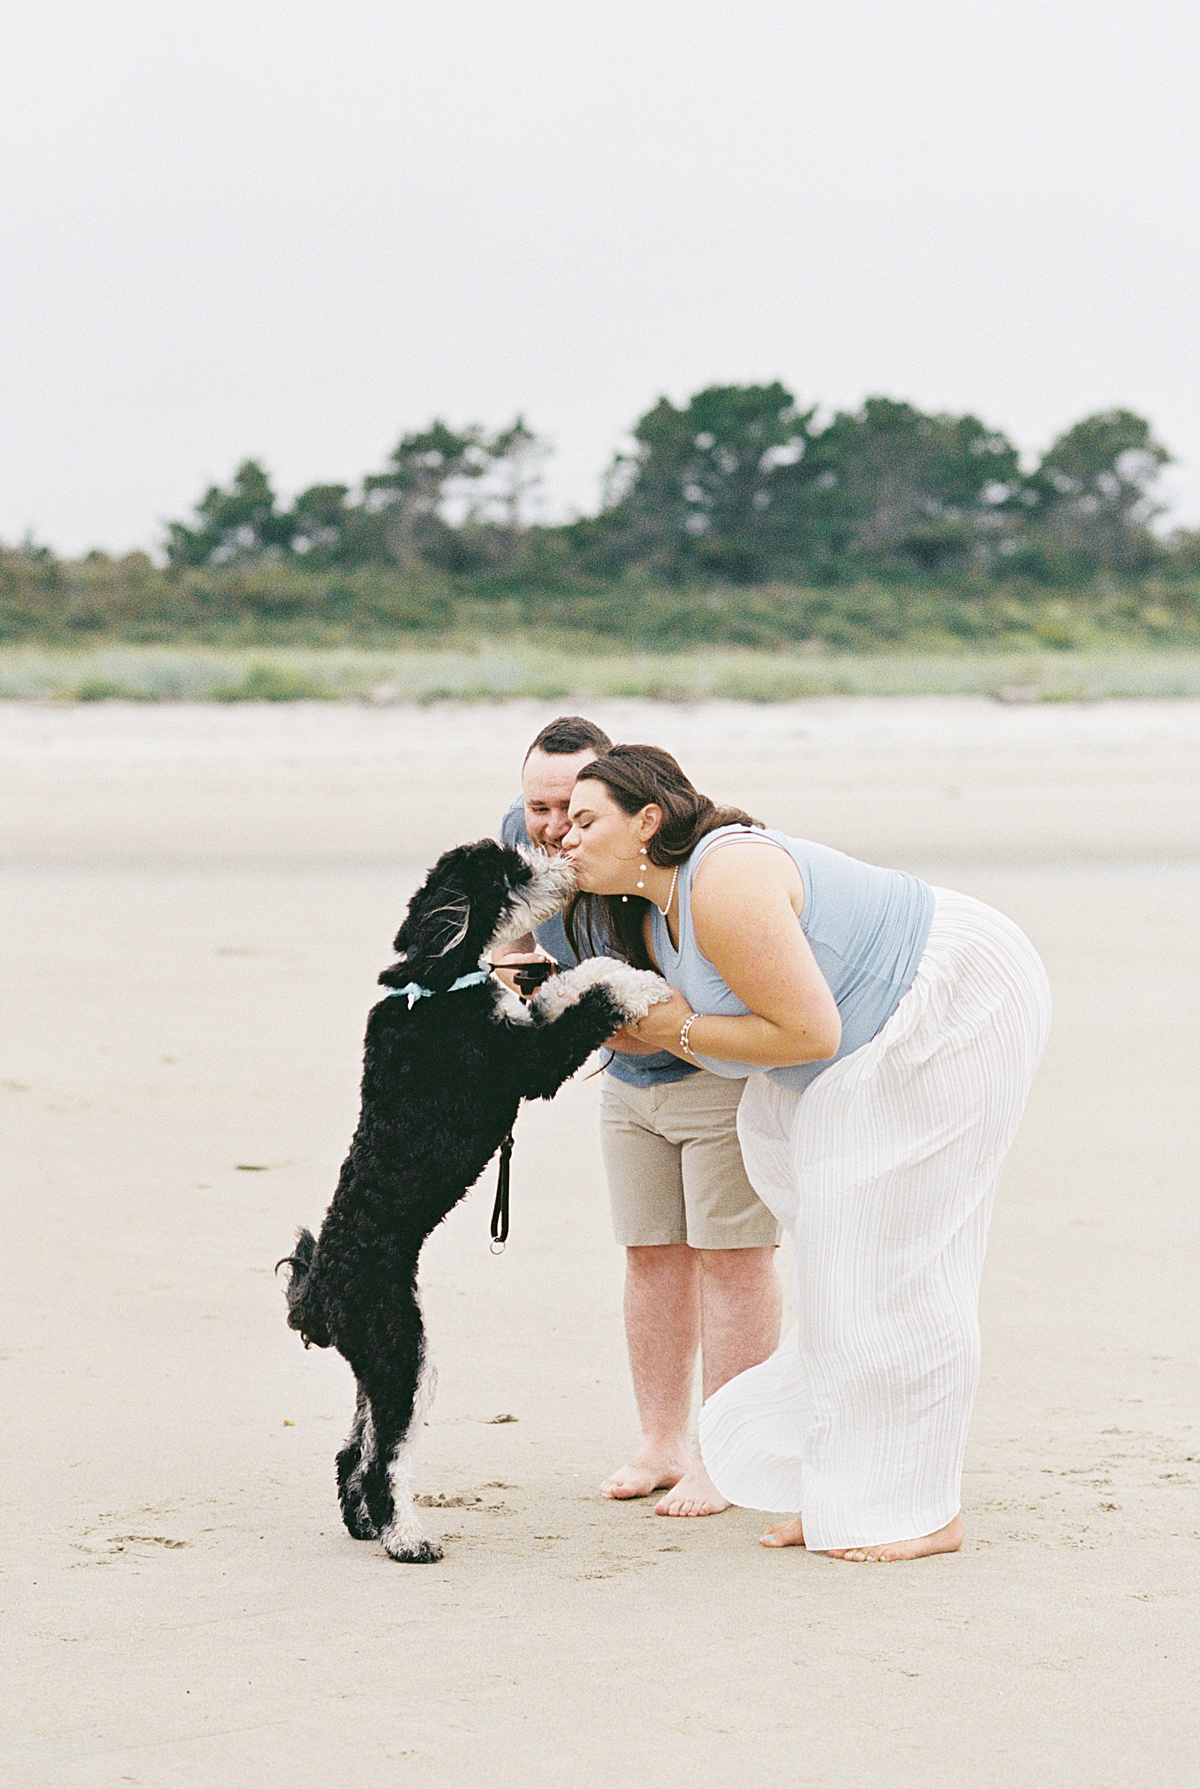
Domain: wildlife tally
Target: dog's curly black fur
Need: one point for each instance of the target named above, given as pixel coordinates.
(442, 1081)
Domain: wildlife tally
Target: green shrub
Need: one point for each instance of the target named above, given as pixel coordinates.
(101, 689)
(273, 603)
(272, 683)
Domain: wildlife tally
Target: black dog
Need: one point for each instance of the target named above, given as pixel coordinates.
(449, 1056)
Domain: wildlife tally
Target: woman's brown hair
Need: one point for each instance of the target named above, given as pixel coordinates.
(636, 775)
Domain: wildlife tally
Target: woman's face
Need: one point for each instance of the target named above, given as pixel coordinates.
(605, 843)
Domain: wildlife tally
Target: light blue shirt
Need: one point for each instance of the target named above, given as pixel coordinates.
(867, 928)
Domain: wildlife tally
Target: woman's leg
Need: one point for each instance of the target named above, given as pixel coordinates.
(946, 1540)
(895, 1155)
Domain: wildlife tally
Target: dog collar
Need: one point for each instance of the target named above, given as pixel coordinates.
(414, 991)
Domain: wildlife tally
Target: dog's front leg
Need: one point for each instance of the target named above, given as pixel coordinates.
(575, 1012)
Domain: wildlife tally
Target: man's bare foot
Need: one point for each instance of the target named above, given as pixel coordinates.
(787, 1534)
(947, 1540)
(694, 1495)
(648, 1471)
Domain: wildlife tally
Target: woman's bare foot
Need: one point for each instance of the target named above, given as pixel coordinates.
(947, 1540)
(694, 1495)
(651, 1469)
(788, 1534)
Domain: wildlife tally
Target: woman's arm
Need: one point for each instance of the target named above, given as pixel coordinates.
(746, 903)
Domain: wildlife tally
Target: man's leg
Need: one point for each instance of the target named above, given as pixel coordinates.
(740, 1310)
(662, 1283)
(662, 1328)
(655, 1140)
(740, 1307)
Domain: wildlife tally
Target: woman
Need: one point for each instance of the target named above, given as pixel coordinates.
(888, 1033)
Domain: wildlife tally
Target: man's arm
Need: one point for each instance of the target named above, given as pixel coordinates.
(521, 950)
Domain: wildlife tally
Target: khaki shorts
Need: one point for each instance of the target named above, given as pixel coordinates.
(674, 1165)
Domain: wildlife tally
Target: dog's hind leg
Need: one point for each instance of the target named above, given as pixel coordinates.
(353, 1464)
(400, 1531)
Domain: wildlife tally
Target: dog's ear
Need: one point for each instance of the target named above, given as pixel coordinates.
(432, 936)
(454, 912)
(444, 924)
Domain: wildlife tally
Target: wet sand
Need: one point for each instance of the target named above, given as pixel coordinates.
(196, 902)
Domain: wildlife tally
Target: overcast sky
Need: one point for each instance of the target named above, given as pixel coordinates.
(296, 229)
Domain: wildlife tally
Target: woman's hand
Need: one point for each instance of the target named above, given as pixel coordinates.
(625, 1044)
(660, 1028)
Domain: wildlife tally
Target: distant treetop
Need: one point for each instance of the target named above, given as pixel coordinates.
(740, 484)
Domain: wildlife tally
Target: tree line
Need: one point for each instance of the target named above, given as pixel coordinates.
(739, 485)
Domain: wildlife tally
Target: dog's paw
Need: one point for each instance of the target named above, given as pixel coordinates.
(510, 1006)
(410, 1551)
(634, 991)
(637, 990)
(359, 1525)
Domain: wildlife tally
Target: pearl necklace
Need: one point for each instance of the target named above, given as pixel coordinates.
(674, 879)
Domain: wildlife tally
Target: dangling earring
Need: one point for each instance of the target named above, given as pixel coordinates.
(643, 867)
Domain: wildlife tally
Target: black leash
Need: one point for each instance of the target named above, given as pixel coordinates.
(500, 1208)
(528, 977)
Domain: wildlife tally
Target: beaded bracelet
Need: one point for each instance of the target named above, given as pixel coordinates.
(685, 1033)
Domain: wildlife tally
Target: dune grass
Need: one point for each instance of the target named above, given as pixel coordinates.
(482, 669)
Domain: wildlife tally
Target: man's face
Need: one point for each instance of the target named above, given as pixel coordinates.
(546, 784)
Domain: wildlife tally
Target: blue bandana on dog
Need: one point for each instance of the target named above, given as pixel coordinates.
(415, 991)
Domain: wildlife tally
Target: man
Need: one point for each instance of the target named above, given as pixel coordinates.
(700, 1272)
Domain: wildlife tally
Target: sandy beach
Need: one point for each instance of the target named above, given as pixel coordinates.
(196, 902)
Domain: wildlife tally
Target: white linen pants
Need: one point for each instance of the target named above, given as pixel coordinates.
(884, 1169)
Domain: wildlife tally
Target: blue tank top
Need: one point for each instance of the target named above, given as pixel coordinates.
(866, 927)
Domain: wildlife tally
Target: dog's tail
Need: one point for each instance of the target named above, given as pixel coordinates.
(303, 1301)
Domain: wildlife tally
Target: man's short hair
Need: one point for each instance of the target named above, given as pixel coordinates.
(569, 734)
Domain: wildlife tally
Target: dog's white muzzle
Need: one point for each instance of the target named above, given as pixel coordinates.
(544, 895)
